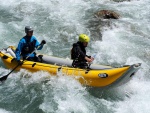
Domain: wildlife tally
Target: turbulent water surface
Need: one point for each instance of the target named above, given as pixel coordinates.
(59, 22)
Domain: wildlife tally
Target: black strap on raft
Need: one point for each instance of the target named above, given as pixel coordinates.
(59, 68)
(5, 57)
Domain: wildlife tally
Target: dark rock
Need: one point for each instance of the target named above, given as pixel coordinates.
(107, 14)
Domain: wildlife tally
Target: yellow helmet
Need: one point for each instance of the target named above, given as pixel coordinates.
(84, 38)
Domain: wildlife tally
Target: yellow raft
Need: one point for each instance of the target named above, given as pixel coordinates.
(97, 76)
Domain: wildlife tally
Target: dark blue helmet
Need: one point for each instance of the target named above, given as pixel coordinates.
(28, 28)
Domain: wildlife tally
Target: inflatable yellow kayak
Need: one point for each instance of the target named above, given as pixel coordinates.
(96, 76)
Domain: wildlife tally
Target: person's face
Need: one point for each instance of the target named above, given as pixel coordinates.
(85, 44)
(29, 33)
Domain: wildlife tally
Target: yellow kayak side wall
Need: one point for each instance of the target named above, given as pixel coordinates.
(85, 77)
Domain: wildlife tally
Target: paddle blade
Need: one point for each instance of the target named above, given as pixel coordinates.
(3, 78)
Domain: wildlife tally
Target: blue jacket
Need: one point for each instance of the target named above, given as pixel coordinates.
(22, 44)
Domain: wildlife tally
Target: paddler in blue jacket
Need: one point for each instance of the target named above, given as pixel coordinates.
(27, 45)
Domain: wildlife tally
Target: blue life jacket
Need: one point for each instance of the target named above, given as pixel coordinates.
(29, 46)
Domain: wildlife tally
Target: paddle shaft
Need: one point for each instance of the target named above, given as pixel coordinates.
(5, 77)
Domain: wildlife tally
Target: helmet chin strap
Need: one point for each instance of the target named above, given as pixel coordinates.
(29, 34)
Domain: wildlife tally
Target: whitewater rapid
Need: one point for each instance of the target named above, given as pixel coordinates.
(125, 41)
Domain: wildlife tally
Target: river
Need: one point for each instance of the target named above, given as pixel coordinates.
(59, 22)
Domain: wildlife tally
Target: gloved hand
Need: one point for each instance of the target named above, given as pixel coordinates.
(18, 61)
(43, 42)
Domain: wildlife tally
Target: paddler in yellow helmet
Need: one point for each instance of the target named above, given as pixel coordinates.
(78, 52)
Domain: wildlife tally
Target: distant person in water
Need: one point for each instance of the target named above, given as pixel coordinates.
(27, 45)
(78, 52)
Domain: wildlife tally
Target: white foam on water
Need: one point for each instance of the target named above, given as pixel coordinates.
(4, 111)
(67, 95)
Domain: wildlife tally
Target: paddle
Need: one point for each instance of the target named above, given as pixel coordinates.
(20, 63)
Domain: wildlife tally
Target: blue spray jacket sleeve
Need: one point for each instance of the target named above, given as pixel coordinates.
(19, 48)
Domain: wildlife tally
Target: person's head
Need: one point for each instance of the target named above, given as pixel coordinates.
(84, 39)
(29, 31)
